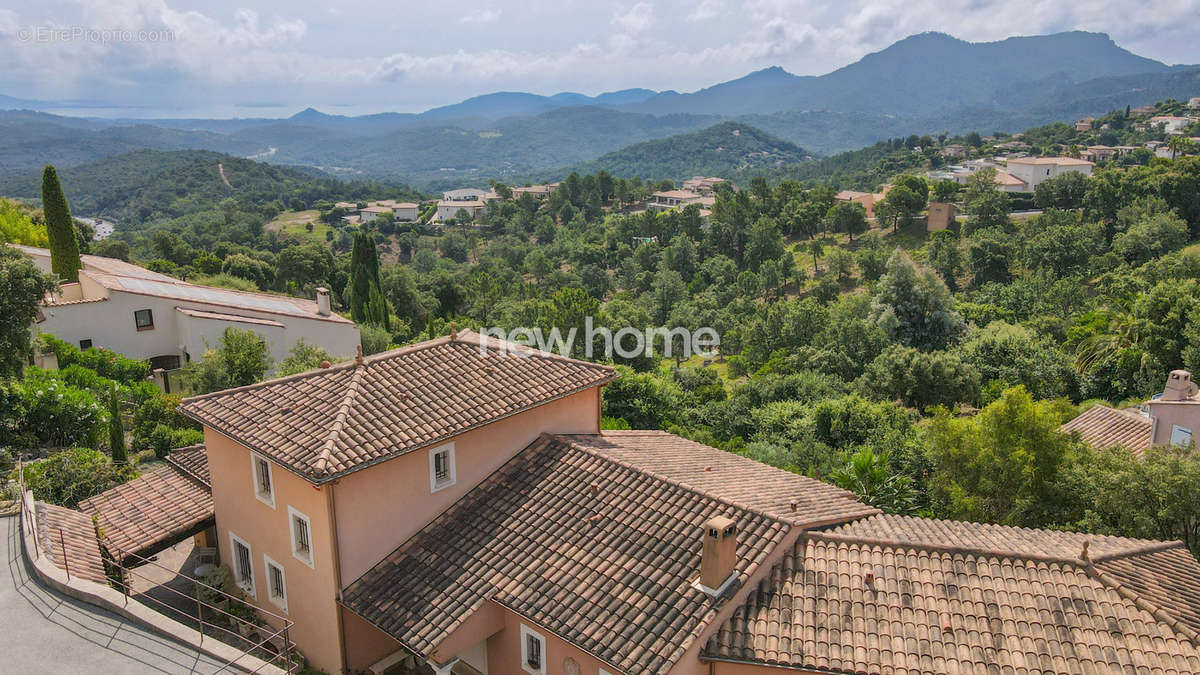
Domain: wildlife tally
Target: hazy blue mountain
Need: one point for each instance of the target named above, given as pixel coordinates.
(927, 83)
(917, 75)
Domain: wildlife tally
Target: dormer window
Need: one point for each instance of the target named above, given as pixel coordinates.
(442, 473)
(264, 484)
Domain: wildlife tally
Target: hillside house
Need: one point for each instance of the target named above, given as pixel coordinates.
(669, 200)
(940, 216)
(954, 150)
(449, 209)
(1172, 417)
(372, 212)
(868, 200)
(1084, 124)
(1033, 171)
(1171, 124)
(539, 191)
(704, 185)
(452, 507)
(146, 315)
(402, 212)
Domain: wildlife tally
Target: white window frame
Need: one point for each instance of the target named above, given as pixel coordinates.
(452, 478)
(1177, 433)
(526, 633)
(281, 602)
(249, 588)
(269, 497)
(293, 514)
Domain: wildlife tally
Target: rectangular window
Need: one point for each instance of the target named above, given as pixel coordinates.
(276, 585)
(85, 344)
(441, 467)
(1181, 436)
(143, 319)
(301, 536)
(533, 652)
(264, 486)
(243, 565)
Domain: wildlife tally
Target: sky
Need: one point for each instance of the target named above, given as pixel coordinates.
(224, 58)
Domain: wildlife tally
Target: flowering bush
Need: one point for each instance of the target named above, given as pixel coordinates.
(44, 411)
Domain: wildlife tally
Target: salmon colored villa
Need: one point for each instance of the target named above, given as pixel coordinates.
(446, 509)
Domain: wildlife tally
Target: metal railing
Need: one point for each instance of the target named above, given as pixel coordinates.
(274, 649)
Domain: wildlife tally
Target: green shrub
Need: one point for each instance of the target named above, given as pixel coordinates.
(105, 363)
(45, 411)
(70, 476)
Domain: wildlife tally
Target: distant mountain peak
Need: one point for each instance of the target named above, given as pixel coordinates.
(310, 113)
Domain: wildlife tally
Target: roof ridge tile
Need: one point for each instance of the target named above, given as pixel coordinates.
(321, 465)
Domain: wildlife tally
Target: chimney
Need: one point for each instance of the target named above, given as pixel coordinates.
(323, 301)
(1179, 386)
(718, 554)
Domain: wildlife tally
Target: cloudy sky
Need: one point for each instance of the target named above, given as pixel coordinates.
(372, 55)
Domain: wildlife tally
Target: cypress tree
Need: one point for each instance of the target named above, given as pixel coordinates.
(64, 249)
(367, 304)
(116, 431)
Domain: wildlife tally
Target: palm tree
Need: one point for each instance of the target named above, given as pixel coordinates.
(1180, 145)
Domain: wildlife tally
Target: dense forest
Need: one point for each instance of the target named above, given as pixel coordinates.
(926, 371)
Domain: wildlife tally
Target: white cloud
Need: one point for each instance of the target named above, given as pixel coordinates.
(704, 11)
(490, 15)
(324, 56)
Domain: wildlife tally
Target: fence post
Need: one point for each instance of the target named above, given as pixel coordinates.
(199, 609)
(63, 544)
(287, 648)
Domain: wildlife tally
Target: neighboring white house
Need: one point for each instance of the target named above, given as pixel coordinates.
(464, 195)
(449, 208)
(1171, 124)
(146, 315)
(1033, 171)
(370, 213)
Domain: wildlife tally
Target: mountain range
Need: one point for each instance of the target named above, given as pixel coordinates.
(926, 83)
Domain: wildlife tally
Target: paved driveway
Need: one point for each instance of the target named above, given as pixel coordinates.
(43, 631)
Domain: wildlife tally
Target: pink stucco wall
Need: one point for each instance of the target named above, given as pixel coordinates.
(311, 591)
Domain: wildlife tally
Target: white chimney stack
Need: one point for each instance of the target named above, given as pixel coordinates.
(323, 301)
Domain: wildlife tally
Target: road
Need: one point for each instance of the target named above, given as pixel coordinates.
(47, 632)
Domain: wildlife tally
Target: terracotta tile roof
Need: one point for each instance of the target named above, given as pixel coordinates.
(1104, 427)
(219, 316)
(58, 302)
(58, 526)
(192, 460)
(610, 571)
(324, 423)
(1001, 539)
(729, 477)
(942, 608)
(158, 508)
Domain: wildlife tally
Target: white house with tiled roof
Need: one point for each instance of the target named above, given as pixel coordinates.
(146, 315)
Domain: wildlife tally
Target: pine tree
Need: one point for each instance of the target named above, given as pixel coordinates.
(64, 249)
(116, 431)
